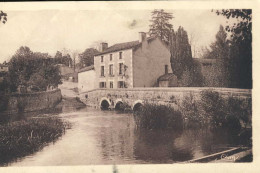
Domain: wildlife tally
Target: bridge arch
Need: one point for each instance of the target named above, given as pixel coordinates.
(137, 105)
(104, 103)
(118, 104)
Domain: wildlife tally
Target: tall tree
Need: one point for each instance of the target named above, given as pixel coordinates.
(220, 52)
(219, 49)
(187, 71)
(241, 47)
(181, 58)
(161, 26)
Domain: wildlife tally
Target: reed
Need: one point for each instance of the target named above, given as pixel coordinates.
(21, 138)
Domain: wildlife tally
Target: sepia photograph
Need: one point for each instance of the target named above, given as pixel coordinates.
(112, 85)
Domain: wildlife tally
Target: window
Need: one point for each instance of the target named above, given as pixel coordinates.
(121, 84)
(111, 57)
(111, 84)
(121, 66)
(102, 84)
(102, 71)
(120, 55)
(102, 58)
(111, 70)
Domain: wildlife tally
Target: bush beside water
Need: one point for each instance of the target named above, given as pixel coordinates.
(20, 138)
(212, 110)
(152, 116)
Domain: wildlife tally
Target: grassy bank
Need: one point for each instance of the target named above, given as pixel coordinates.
(21, 138)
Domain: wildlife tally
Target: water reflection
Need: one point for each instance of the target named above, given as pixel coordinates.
(6, 118)
(106, 137)
(158, 146)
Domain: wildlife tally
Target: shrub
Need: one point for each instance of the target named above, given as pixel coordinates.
(213, 106)
(225, 112)
(123, 106)
(4, 99)
(152, 116)
(192, 115)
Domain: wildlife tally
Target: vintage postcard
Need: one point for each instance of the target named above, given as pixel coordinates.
(151, 86)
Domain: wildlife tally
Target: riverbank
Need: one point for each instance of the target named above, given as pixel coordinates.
(21, 138)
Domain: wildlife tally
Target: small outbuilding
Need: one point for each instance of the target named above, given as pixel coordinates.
(168, 80)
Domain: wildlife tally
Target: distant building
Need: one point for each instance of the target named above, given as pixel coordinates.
(168, 80)
(86, 79)
(64, 70)
(3, 68)
(3, 71)
(131, 64)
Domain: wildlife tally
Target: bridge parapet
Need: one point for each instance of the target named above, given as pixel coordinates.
(171, 96)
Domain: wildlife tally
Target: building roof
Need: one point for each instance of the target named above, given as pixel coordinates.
(86, 68)
(166, 77)
(124, 46)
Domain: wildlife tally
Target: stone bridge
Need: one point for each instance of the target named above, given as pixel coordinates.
(135, 97)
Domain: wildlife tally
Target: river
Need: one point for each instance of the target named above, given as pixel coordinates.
(109, 137)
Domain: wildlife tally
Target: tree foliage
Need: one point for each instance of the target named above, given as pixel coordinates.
(32, 68)
(183, 66)
(87, 57)
(62, 59)
(3, 17)
(240, 61)
(161, 26)
(219, 49)
(220, 52)
(180, 49)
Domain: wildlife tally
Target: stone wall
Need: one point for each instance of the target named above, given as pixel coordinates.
(157, 95)
(28, 102)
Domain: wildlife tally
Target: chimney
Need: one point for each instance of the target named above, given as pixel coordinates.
(103, 46)
(166, 69)
(142, 36)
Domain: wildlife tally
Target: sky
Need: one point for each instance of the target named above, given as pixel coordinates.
(48, 31)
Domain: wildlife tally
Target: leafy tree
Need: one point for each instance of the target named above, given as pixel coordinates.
(3, 17)
(32, 68)
(87, 57)
(219, 49)
(47, 75)
(62, 59)
(161, 26)
(240, 60)
(220, 52)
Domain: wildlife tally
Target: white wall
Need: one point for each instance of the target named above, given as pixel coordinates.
(86, 80)
(126, 60)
